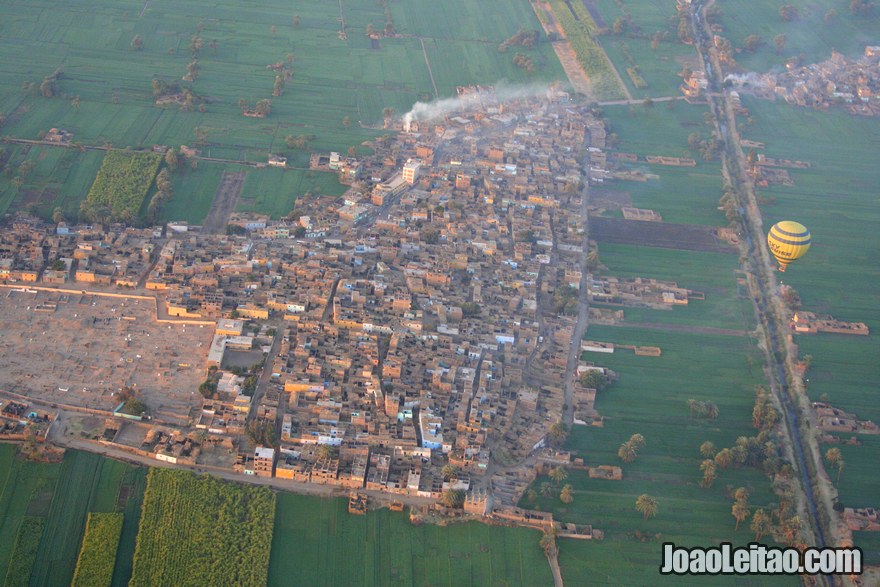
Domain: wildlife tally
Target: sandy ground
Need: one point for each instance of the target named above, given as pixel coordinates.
(81, 349)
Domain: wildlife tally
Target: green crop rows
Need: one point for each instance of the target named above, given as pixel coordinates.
(98, 555)
(202, 531)
(122, 184)
(581, 32)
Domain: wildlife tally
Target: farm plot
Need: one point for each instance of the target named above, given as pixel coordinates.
(836, 199)
(319, 543)
(129, 501)
(201, 531)
(122, 183)
(634, 47)
(687, 195)
(650, 398)
(581, 33)
(98, 555)
(26, 490)
(80, 473)
(812, 33)
(60, 178)
(685, 237)
(24, 552)
(726, 304)
(274, 191)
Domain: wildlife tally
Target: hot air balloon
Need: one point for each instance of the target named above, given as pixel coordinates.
(788, 241)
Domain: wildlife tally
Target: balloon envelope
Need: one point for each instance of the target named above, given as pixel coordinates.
(788, 241)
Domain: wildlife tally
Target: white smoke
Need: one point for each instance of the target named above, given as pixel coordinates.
(437, 109)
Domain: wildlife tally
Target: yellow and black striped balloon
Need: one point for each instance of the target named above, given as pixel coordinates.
(788, 241)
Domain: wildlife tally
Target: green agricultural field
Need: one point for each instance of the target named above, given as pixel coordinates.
(80, 473)
(24, 552)
(837, 199)
(661, 129)
(60, 178)
(26, 489)
(320, 543)
(122, 183)
(129, 501)
(98, 555)
(274, 191)
(687, 195)
(726, 304)
(650, 398)
(808, 35)
(581, 32)
(202, 531)
(633, 46)
(622, 561)
(333, 79)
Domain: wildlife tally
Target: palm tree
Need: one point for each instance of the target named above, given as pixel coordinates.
(627, 452)
(741, 494)
(760, 524)
(724, 458)
(646, 505)
(566, 496)
(707, 449)
(548, 541)
(791, 528)
(638, 440)
(740, 511)
(708, 469)
(711, 410)
(835, 459)
(558, 474)
(692, 405)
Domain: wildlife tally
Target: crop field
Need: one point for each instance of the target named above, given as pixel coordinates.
(202, 531)
(104, 94)
(123, 182)
(617, 561)
(98, 555)
(60, 497)
(633, 47)
(274, 191)
(26, 489)
(581, 32)
(837, 199)
(808, 35)
(320, 543)
(726, 304)
(61, 178)
(66, 520)
(24, 552)
(650, 398)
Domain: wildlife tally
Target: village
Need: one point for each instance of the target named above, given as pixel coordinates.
(851, 83)
(409, 338)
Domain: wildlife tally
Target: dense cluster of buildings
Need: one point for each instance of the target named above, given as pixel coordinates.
(416, 318)
(854, 84)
